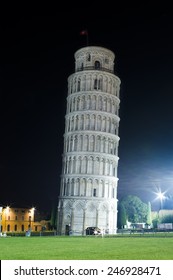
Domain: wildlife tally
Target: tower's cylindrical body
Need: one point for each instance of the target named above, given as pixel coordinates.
(88, 191)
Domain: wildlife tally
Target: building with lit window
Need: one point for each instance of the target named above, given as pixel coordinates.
(88, 191)
(17, 219)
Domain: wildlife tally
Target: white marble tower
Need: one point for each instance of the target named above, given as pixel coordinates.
(88, 194)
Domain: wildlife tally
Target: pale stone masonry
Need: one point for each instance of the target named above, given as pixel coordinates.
(88, 194)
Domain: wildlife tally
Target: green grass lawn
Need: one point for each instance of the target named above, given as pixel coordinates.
(86, 248)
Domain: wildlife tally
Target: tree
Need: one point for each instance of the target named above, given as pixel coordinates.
(136, 210)
(53, 215)
(122, 217)
(149, 220)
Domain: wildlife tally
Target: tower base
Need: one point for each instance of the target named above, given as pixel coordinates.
(76, 215)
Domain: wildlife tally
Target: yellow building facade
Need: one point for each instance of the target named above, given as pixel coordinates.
(17, 219)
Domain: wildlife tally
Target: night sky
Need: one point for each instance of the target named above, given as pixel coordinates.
(37, 56)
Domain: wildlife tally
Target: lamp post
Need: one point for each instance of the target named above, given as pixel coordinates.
(161, 197)
(32, 217)
(30, 221)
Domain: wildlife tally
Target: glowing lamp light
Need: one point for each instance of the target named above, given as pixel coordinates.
(7, 209)
(161, 195)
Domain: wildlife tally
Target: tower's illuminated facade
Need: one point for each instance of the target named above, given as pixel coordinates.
(88, 194)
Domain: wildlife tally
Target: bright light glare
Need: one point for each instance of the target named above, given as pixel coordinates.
(160, 195)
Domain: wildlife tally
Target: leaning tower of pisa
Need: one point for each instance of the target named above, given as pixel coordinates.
(88, 191)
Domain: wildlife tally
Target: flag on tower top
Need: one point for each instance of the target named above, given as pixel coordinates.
(84, 32)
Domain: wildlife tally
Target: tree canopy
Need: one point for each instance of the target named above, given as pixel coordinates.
(136, 210)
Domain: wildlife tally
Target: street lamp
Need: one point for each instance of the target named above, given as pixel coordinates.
(32, 211)
(161, 197)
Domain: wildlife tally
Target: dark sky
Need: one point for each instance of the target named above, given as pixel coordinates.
(37, 56)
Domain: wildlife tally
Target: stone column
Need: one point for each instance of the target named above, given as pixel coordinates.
(107, 219)
(84, 220)
(97, 217)
(72, 218)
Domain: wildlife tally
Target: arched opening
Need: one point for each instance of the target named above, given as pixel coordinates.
(97, 65)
